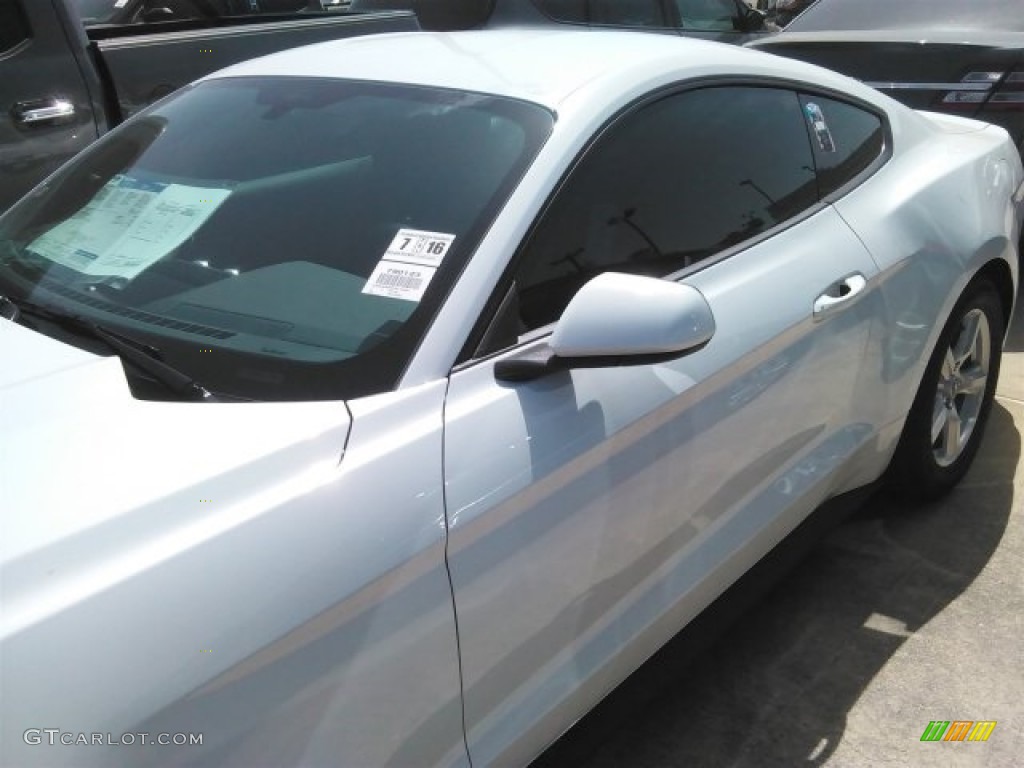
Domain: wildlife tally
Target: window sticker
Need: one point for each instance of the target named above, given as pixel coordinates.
(129, 225)
(415, 246)
(820, 127)
(399, 280)
(408, 265)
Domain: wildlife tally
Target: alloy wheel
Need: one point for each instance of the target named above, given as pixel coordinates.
(963, 381)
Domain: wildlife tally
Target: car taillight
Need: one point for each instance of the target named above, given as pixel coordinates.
(1010, 93)
(990, 89)
(974, 90)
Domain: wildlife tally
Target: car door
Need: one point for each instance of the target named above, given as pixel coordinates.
(47, 96)
(592, 512)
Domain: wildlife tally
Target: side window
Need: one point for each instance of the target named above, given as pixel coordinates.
(571, 11)
(670, 184)
(99, 12)
(282, 6)
(13, 26)
(845, 139)
(625, 13)
(709, 15)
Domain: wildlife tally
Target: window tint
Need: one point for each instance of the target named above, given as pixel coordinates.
(627, 13)
(99, 11)
(95, 12)
(845, 140)
(572, 11)
(673, 183)
(13, 27)
(711, 15)
(910, 14)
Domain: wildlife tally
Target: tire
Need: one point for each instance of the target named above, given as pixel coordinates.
(947, 420)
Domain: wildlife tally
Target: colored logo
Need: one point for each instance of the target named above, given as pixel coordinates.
(958, 730)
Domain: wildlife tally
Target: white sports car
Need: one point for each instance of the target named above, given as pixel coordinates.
(389, 401)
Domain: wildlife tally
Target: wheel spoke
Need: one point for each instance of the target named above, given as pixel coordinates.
(951, 434)
(948, 366)
(967, 343)
(939, 418)
(974, 382)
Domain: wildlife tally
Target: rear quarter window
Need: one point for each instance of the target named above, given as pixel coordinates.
(846, 140)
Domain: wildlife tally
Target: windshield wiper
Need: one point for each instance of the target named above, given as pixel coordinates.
(143, 356)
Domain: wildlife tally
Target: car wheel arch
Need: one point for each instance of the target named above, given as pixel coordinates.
(910, 476)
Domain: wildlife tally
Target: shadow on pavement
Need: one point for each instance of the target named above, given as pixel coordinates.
(767, 678)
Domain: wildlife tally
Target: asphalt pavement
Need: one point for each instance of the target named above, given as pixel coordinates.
(894, 619)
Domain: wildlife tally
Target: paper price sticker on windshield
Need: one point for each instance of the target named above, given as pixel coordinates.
(129, 225)
(415, 246)
(398, 280)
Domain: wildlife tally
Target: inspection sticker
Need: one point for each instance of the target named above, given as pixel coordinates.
(415, 246)
(398, 280)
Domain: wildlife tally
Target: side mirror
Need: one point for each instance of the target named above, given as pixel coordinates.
(619, 319)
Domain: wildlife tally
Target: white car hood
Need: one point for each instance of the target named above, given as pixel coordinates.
(28, 355)
(89, 475)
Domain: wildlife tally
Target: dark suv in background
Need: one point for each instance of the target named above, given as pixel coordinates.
(724, 21)
(954, 56)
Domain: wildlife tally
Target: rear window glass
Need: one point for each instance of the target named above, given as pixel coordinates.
(999, 15)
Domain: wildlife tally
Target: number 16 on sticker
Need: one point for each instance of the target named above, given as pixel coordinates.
(416, 246)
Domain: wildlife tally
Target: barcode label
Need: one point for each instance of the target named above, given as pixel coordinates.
(398, 280)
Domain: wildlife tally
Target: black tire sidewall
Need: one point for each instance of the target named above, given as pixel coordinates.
(915, 475)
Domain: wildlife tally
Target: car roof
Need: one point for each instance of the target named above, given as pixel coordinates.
(540, 65)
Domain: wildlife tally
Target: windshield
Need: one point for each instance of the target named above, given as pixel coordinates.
(1001, 15)
(275, 238)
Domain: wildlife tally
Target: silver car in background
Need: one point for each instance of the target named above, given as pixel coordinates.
(389, 401)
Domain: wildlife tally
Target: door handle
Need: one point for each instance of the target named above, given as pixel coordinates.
(43, 112)
(839, 294)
